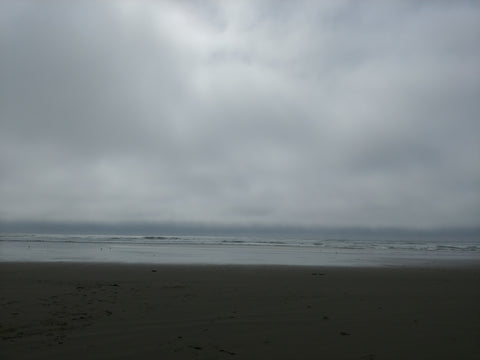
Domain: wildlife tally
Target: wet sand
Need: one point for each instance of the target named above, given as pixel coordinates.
(115, 311)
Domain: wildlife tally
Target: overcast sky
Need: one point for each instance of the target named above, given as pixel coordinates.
(323, 113)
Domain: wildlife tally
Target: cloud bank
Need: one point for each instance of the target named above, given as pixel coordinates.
(331, 113)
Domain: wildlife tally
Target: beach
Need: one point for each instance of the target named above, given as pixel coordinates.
(124, 311)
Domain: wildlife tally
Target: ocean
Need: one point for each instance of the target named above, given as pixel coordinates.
(240, 250)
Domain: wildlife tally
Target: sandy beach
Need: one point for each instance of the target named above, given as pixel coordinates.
(114, 311)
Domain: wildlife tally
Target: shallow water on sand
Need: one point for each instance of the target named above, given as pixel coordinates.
(236, 250)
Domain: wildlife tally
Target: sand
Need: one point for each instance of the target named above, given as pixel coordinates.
(95, 311)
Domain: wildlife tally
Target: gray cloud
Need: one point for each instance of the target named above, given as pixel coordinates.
(333, 113)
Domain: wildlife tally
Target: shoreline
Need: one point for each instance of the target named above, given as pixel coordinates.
(387, 263)
(110, 310)
(221, 250)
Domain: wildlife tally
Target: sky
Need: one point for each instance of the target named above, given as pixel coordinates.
(304, 113)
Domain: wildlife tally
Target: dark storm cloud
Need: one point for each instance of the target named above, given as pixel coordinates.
(333, 113)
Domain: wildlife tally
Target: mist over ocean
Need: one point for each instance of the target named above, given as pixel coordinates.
(290, 116)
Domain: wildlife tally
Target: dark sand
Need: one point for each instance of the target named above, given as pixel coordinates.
(86, 311)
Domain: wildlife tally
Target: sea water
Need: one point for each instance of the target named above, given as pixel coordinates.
(237, 250)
